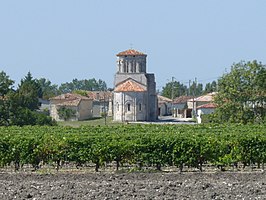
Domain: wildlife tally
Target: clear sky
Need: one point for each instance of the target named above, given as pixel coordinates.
(65, 39)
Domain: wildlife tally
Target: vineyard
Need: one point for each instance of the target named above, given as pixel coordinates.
(139, 146)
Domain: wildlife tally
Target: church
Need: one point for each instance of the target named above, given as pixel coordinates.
(135, 96)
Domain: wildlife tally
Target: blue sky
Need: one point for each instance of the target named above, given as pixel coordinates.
(62, 39)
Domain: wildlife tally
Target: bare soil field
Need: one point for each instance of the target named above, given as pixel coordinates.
(221, 185)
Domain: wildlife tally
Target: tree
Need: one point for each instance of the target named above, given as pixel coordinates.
(242, 93)
(29, 92)
(66, 113)
(6, 85)
(174, 89)
(89, 85)
(196, 89)
(210, 87)
(48, 89)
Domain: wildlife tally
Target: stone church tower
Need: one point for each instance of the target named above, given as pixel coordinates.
(135, 96)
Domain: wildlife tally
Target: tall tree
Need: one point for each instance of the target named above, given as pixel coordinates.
(174, 89)
(6, 85)
(242, 93)
(85, 84)
(210, 87)
(196, 89)
(29, 92)
(48, 89)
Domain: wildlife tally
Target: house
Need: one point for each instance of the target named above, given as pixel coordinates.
(164, 106)
(193, 103)
(135, 96)
(79, 105)
(102, 102)
(180, 108)
(205, 109)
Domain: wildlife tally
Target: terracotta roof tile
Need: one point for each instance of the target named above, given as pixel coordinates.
(69, 99)
(181, 99)
(205, 98)
(69, 96)
(162, 99)
(131, 52)
(100, 95)
(70, 103)
(130, 86)
(208, 105)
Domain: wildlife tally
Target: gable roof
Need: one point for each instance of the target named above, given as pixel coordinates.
(130, 86)
(162, 99)
(205, 98)
(69, 99)
(181, 99)
(99, 95)
(208, 105)
(131, 52)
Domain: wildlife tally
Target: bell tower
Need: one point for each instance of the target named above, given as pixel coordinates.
(131, 61)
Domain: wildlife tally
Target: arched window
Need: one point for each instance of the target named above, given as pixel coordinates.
(128, 107)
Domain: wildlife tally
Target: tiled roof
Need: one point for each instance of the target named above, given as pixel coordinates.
(205, 98)
(162, 99)
(99, 95)
(130, 86)
(181, 99)
(208, 105)
(70, 103)
(69, 96)
(131, 52)
(69, 99)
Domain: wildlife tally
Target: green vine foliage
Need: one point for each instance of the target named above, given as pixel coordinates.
(65, 113)
(141, 146)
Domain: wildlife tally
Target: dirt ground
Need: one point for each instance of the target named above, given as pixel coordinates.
(222, 185)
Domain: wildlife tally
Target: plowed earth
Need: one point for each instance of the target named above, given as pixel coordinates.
(133, 186)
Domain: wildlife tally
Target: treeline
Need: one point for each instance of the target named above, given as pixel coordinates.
(175, 89)
(20, 106)
(157, 146)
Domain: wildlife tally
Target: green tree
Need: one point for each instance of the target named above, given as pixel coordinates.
(85, 84)
(48, 89)
(6, 85)
(65, 113)
(29, 91)
(174, 89)
(210, 87)
(196, 89)
(242, 93)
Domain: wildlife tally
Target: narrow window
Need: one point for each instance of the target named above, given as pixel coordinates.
(128, 107)
(117, 106)
(140, 107)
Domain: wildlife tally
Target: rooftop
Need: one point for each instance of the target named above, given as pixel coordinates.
(99, 95)
(205, 98)
(162, 99)
(182, 99)
(130, 86)
(69, 99)
(208, 105)
(69, 96)
(131, 52)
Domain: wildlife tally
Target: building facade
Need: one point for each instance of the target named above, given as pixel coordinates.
(80, 105)
(135, 96)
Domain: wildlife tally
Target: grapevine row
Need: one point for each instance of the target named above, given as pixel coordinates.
(137, 145)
